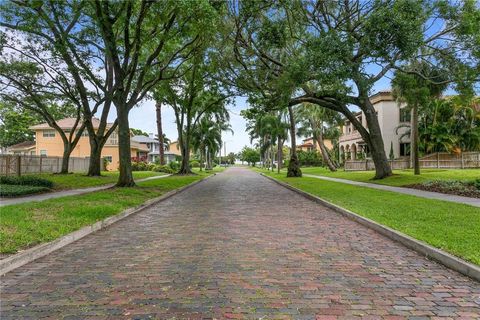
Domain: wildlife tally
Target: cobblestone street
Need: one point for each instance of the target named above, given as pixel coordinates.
(237, 246)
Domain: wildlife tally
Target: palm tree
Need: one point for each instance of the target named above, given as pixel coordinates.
(417, 91)
(166, 142)
(312, 119)
(207, 138)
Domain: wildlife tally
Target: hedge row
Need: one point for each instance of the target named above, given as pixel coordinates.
(26, 181)
(9, 190)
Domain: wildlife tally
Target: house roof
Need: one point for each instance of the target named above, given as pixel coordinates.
(67, 123)
(382, 95)
(144, 139)
(23, 145)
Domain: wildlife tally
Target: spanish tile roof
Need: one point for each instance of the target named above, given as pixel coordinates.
(67, 123)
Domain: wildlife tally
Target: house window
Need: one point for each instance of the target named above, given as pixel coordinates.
(404, 115)
(108, 158)
(404, 149)
(113, 138)
(48, 133)
(43, 153)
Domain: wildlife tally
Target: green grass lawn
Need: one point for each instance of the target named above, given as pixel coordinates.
(25, 225)
(80, 180)
(452, 227)
(399, 177)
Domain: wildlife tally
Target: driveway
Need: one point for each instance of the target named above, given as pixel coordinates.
(237, 246)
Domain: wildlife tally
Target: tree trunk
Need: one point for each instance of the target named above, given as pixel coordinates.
(324, 152)
(279, 154)
(94, 166)
(67, 151)
(125, 178)
(158, 107)
(185, 165)
(272, 154)
(294, 165)
(382, 167)
(415, 141)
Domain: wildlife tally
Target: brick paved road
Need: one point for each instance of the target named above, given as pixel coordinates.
(237, 246)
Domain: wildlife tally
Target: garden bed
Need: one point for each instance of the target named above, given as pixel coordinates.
(21, 186)
(460, 188)
(12, 191)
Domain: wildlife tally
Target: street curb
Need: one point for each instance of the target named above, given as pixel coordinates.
(448, 260)
(17, 260)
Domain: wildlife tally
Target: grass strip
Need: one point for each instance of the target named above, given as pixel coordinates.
(399, 177)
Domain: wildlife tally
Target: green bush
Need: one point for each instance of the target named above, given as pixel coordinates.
(10, 190)
(174, 166)
(26, 181)
(476, 183)
(165, 169)
(142, 166)
(194, 164)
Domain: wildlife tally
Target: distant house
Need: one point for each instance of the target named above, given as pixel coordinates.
(22, 148)
(310, 144)
(390, 115)
(153, 146)
(174, 148)
(49, 143)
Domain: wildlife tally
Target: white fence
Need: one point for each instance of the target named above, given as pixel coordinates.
(439, 160)
(25, 164)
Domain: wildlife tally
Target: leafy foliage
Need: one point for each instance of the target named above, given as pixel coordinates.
(26, 181)
(249, 155)
(10, 190)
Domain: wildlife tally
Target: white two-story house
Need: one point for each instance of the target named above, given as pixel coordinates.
(153, 146)
(391, 115)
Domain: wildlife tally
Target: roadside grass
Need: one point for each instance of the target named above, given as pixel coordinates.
(452, 227)
(28, 224)
(80, 180)
(399, 177)
(216, 169)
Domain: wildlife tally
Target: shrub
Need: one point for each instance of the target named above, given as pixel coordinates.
(26, 181)
(174, 166)
(143, 166)
(9, 190)
(476, 183)
(105, 164)
(194, 164)
(165, 169)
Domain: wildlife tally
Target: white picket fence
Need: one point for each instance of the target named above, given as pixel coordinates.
(28, 164)
(439, 160)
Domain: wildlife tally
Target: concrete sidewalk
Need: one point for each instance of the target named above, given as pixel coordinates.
(413, 192)
(65, 193)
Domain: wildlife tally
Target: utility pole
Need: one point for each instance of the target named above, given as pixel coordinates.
(225, 152)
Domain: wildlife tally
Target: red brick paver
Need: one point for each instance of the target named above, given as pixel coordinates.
(237, 247)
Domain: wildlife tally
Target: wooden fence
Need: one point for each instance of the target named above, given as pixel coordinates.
(439, 160)
(26, 164)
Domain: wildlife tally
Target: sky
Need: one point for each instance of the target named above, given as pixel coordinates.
(143, 117)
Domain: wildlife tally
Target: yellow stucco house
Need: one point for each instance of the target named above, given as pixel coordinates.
(49, 143)
(310, 145)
